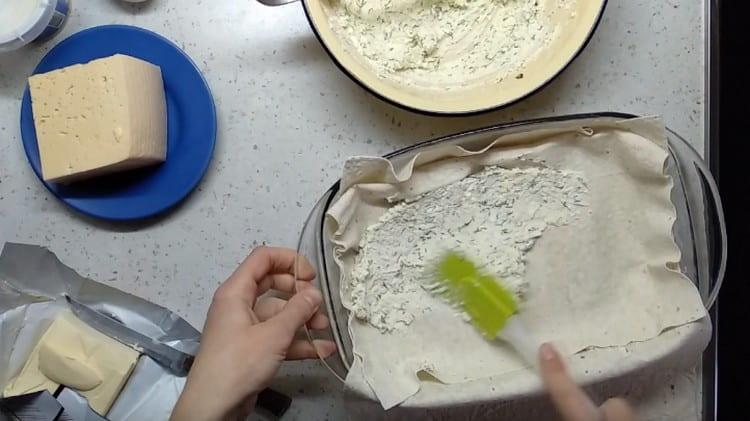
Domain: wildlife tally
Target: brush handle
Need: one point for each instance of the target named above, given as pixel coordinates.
(520, 337)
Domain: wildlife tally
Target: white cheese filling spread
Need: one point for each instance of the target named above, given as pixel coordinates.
(494, 216)
(444, 44)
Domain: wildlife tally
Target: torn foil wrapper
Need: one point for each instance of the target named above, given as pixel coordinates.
(33, 283)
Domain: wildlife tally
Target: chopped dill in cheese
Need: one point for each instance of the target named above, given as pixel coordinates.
(494, 216)
(444, 43)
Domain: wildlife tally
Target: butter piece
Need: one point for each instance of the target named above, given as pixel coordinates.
(105, 116)
(65, 367)
(76, 355)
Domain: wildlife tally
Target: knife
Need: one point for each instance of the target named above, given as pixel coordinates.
(174, 360)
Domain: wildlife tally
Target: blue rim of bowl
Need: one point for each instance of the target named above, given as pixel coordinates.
(453, 113)
(169, 206)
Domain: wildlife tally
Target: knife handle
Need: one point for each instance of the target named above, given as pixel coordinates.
(274, 402)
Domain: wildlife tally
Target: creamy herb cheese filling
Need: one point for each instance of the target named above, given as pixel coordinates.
(494, 216)
(444, 43)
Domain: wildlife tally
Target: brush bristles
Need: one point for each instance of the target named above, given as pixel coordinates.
(459, 282)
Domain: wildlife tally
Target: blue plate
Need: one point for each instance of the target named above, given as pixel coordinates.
(191, 129)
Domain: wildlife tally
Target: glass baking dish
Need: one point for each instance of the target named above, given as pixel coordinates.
(699, 230)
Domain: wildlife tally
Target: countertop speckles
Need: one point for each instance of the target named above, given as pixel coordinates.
(287, 120)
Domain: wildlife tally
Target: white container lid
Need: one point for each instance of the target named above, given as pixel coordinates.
(22, 21)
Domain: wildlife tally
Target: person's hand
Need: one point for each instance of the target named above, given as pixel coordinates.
(245, 339)
(571, 401)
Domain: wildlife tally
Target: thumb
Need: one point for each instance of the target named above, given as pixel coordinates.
(298, 310)
(617, 409)
(571, 401)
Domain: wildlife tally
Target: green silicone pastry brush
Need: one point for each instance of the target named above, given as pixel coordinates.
(492, 308)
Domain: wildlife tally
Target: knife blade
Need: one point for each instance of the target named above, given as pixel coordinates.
(172, 359)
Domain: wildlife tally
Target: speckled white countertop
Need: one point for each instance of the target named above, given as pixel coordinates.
(287, 120)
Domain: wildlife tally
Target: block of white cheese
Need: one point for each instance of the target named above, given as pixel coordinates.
(75, 355)
(97, 118)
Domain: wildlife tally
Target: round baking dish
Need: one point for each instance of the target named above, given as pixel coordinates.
(575, 29)
(699, 230)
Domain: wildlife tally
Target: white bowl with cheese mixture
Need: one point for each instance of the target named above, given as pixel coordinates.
(453, 56)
